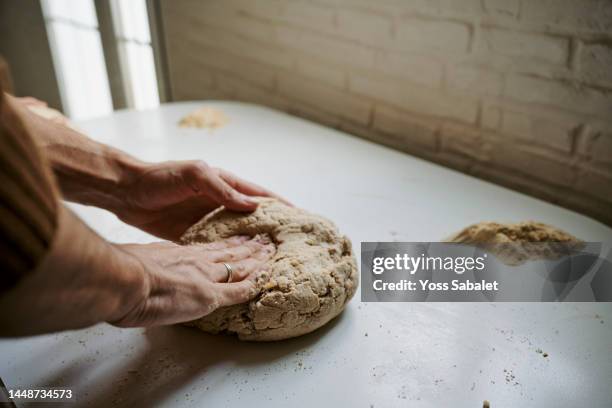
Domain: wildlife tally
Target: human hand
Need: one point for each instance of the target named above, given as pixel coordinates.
(166, 198)
(43, 110)
(187, 282)
(163, 199)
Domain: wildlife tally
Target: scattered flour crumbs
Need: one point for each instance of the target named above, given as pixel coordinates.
(204, 118)
(515, 244)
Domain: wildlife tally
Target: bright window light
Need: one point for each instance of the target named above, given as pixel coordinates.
(78, 58)
(136, 53)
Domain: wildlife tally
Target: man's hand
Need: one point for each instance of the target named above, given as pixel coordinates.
(128, 285)
(163, 199)
(185, 283)
(82, 279)
(167, 198)
(43, 110)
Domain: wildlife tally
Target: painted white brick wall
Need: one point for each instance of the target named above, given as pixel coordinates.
(514, 91)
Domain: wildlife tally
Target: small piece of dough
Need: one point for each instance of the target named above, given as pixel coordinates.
(204, 117)
(308, 281)
(515, 244)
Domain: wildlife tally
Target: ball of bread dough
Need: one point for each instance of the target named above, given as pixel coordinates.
(515, 244)
(308, 281)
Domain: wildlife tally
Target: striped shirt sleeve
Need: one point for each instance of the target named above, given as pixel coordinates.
(28, 199)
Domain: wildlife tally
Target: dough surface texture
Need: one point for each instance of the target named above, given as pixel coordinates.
(308, 281)
(515, 244)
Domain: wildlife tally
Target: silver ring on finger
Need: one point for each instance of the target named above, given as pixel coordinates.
(230, 272)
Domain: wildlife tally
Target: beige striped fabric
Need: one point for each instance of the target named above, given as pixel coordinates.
(28, 199)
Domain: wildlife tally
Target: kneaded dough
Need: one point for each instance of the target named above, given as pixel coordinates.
(309, 280)
(515, 244)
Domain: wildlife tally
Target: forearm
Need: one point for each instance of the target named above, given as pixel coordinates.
(87, 172)
(74, 286)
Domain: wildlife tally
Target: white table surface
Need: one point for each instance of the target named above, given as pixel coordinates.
(375, 354)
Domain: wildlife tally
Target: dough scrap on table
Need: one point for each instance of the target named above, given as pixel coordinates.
(204, 118)
(309, 280)
(515, 244)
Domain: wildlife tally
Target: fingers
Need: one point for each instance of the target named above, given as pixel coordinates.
(231, 242)
(234, 293)
(243, 268)
(185, 285)
(206, 181)
(248, 188)
(244, 249)
(223, 187)
(232, 199)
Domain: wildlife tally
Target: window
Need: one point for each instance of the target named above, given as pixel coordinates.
(78, 56)
(76, 48)
(135, 53)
